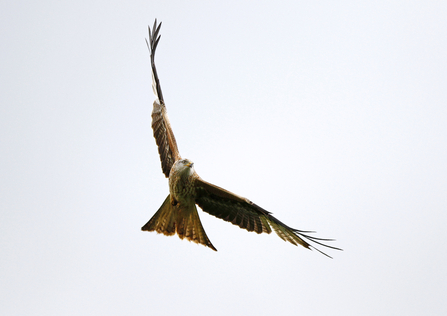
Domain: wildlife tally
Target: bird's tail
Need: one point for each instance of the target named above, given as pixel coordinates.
(171, 219)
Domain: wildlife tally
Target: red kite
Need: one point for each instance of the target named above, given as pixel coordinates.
(178, 213)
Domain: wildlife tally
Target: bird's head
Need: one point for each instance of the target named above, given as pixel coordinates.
(184, 167)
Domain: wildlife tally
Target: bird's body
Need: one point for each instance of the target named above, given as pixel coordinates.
(178, 213)
(181, 183)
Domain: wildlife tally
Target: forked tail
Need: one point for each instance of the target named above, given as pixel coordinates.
(171, 219)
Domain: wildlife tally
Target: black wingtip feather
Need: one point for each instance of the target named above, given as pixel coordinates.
(154, 38)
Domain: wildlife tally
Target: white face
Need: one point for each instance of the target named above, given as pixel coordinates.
(184, 166)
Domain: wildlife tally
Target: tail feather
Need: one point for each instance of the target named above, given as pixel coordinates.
(170, 219)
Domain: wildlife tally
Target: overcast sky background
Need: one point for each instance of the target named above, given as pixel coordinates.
(333, 116)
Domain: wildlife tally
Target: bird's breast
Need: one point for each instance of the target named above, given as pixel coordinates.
(182, 190)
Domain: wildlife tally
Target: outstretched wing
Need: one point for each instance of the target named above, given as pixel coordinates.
(246, 214)
(164, 137)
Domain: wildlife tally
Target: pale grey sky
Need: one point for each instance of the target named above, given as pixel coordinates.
(331, 116)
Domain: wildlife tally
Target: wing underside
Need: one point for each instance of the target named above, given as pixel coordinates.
(163, 134)
(247, 215)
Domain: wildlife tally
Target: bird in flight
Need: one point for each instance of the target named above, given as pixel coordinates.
(178, 213)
